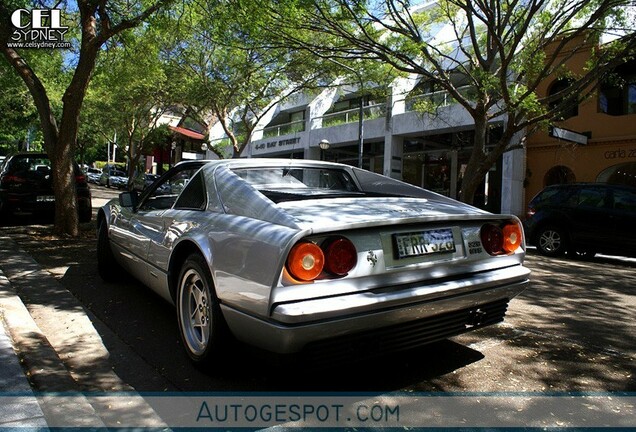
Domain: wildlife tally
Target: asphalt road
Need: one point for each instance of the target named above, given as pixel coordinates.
(573, 330)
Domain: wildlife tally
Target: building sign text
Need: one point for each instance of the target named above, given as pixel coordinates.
(276, 144)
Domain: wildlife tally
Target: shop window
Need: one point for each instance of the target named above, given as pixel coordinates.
(559, 175)
(297, 116)
(567, 107)
(624, 173)
(618, 94)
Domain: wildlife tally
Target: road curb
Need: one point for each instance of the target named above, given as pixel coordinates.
(42, 367)
(60, 358)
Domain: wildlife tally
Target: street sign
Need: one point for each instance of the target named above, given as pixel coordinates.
(568, 135)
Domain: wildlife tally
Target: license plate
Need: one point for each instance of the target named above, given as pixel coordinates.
(423, 243)
(45, 198)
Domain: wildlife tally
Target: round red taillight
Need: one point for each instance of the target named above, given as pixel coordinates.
(340, 256)
(305, 261)
(492, 239)
(513, 236)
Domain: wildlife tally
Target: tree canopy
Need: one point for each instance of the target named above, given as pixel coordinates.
(233, 61)
(502, 50)
(93, 24)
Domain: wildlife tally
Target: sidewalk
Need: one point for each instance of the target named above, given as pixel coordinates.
(46, 373)
(25, 352)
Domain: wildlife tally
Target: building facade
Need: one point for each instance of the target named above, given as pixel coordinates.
(397, 140)
(596, 139)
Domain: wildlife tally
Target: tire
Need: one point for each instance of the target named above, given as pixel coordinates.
(85, 215)
(109, 269)
(551, 241)
(582, 254)
(201, 325)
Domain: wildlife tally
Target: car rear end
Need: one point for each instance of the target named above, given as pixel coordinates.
(26, 186)
(84, 196)
(388, 274)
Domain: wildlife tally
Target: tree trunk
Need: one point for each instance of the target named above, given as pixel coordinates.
(66, 216)
(63, 176)
(479, 162)
(134, 155)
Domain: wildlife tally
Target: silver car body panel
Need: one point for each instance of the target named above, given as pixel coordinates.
(245, 238)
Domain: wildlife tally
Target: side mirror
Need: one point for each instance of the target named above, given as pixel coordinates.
(129, 199)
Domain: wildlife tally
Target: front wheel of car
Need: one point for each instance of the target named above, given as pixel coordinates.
(201, 323)
(107, 267)
(551, 241)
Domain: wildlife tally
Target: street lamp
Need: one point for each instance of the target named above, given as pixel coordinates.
(324, 145)
(173, 147)
(128, 157)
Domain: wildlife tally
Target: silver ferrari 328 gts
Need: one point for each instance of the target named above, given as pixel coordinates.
(303, 256)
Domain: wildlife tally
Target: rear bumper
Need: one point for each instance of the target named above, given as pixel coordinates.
(297, 325)
(27, 202)
(41, 203)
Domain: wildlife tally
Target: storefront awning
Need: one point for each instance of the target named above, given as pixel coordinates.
(187, 133)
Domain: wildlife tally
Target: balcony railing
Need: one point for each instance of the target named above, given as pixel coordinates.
(439, 98)
(225, 141)
(353, 115)
(284, 129)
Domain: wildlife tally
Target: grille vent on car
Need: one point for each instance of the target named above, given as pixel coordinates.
(406, 335)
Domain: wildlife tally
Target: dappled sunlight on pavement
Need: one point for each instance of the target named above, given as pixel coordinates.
(572, 330)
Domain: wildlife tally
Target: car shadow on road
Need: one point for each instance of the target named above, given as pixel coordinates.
(395, 371)
(147, 327)
(137, 324)
(23, 220)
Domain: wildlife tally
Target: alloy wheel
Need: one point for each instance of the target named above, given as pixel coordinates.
(195, 312)
(551, 241)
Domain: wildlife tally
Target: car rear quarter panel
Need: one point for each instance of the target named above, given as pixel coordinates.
(245, 255)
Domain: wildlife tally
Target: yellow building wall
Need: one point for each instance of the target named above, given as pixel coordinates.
(613, 142)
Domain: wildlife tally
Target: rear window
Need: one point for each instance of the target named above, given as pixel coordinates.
(298, 179)
(625, 200)
(281, 184)
(35, 166)
(29, 164)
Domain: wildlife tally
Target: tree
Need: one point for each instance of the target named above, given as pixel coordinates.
(503, 50)
(97, 23)
(232, 70)
(128, 97)
(19, 122)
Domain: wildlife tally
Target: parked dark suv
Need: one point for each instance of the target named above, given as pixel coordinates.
(25, 186)
(583, 219)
